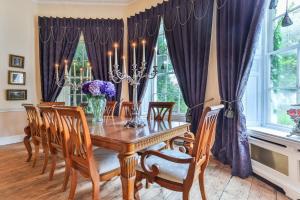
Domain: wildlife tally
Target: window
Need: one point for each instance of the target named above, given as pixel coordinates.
(274, 82)
(164, 87)
(80, 60)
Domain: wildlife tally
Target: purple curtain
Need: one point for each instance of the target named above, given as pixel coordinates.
(188, 37)
(99, 36)
(58, 39)
(141, 26)
(238, 24)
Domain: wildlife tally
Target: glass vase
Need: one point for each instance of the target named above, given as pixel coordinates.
(97, 105)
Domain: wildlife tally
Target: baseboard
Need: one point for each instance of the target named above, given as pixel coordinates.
(11, 139)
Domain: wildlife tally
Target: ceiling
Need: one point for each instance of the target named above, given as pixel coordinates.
(100, 2)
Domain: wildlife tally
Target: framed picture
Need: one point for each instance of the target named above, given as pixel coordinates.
(14, 95)
(16, 61)
(16, 78)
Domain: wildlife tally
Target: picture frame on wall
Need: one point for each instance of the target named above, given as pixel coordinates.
(16, 78)
(16, 61)
(16, 95)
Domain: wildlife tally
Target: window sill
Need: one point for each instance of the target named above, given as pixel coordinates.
(268, 133)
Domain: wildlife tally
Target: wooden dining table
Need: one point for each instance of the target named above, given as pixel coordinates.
(112, 134)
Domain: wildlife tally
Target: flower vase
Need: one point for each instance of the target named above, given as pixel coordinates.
(97, 105)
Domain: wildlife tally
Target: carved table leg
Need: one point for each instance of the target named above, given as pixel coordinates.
(27, 142)
(128, 163)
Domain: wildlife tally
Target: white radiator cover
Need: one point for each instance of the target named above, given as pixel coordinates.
(276, 141)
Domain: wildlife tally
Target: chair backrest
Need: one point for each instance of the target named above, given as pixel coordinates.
(126, 109)
(110, 108)
(206, 132)
(53, 128)
(74, 125)
(52, 103)
(34, 119)
(158, 110)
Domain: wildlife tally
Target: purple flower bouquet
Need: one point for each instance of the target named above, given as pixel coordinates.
(97, 91)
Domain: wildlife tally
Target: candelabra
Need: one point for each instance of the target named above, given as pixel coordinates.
(66, 81)
(117, 76)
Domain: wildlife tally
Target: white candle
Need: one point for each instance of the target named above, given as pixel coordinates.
(81, 74)
(56, 71)
(66, 67)
(116, 53)
(144, 50)
(134, 54)
(124, 64)
(109, 61)
(88, 70)
(90, 73)
(74, 69)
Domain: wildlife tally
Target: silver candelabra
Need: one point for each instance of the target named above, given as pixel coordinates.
(138, 74)
(66, 81)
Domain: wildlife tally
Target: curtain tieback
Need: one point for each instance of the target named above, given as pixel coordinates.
(188, 115)
(229, 112)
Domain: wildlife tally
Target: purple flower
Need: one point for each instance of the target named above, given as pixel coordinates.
(85, 87)
(108, 89)
(97, 88)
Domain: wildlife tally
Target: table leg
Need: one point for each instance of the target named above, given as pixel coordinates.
(128, 164)
(27, 142)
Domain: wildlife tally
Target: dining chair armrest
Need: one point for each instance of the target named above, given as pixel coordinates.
(188, 139)
(154, 171)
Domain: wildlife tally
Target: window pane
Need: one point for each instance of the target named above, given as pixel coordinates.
(286, 36)
(284, 69)
(281, 6)
(281, 101)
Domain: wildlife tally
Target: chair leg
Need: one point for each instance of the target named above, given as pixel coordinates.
(36, 152)
(137, 185)
(185, 195)
(201, 184)
(96, 189)
(46, 152)
(53, 165)
(74, 177)
(67, 175)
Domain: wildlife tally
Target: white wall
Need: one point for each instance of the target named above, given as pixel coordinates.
(18, 35)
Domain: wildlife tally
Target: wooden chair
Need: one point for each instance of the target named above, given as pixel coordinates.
(37, 134)
(57, 141)
(126, 109)
(98, 165)
(158, 110)
(110, 108)
(52, 103)
(176, 170)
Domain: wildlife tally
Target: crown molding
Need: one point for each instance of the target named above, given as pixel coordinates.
(82, 2)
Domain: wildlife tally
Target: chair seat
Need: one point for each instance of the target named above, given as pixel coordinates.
(168, 170)
(156, 147)
(106, 160)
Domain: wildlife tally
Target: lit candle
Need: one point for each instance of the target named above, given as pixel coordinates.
(116, 53)
(88, 70)
(144, 50)
(66, 67)
(81, 74)
(155, 56)
(90, 73)
(109, 61)
(56, 71)
(124, 64)
(134, 53)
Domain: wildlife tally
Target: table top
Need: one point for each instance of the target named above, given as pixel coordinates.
(113, 129)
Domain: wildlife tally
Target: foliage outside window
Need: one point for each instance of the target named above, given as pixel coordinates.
(284, 58)
(80, 60)
(165, 86)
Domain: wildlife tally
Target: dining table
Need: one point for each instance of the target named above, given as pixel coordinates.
(112, 134)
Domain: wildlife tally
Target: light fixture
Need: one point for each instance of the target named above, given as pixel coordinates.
(286, 21)
(273, 4)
